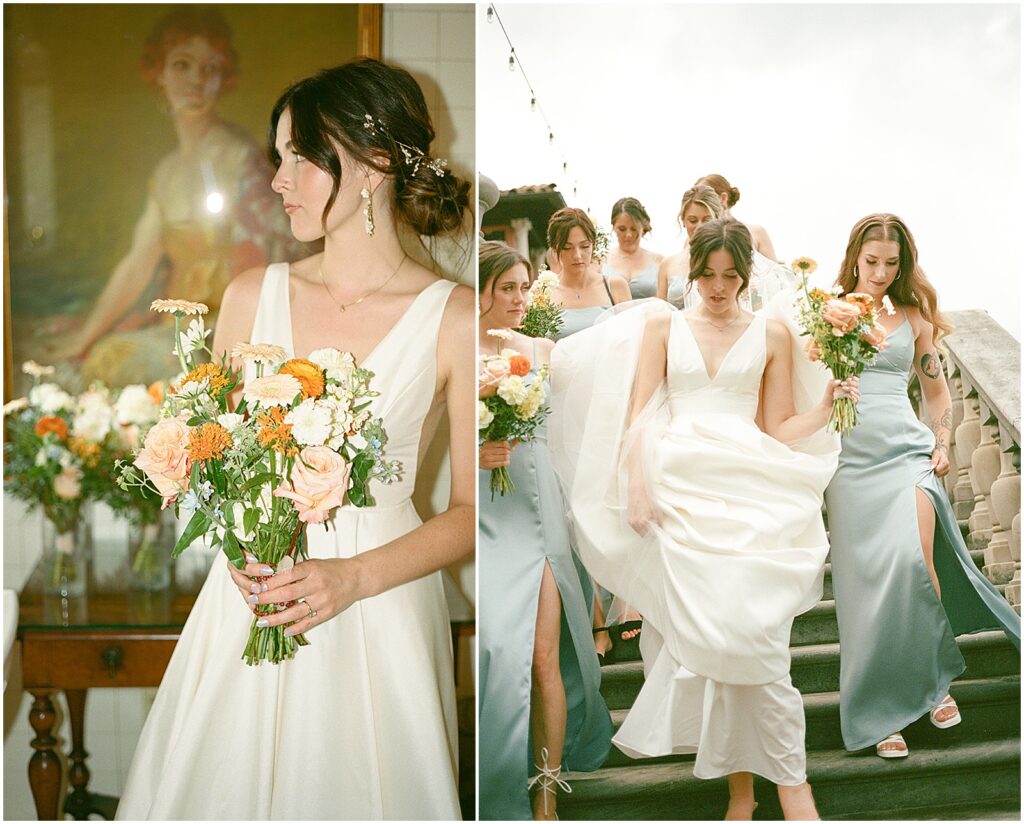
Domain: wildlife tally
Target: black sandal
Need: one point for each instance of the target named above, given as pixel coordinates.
(623, 649)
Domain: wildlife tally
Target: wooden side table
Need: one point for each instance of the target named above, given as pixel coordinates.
(112, 636)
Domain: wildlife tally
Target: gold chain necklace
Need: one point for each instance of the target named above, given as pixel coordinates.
(343, 306)
(722, 328)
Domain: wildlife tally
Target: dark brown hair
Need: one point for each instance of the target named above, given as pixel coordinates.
(911, 287)
(635, 209)
(723, 187)
(333, 105)
(494, 260)
(724, 233)
(181, 24)
(563, 221)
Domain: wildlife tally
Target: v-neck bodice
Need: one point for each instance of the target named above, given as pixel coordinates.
(735, 387)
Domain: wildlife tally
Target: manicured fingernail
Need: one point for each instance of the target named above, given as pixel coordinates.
(262, 622)
(267, 570)
(254, 588)
(288, 633)
(254, 599)
(252, 559)
(265, 587)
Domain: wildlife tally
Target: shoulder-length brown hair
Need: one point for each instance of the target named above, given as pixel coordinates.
(911, 287)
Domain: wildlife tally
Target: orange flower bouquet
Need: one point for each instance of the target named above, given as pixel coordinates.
(300, 443)
(843, 333)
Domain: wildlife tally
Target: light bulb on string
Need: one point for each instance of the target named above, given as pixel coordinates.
(533, 104)
(490, 14)
(565, 168)
(512, 60)
(551, 138)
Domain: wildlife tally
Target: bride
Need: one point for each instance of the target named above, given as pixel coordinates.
(696, 490)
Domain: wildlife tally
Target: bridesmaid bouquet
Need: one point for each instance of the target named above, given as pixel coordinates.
(843, 333)
(508, 408)
(543, 317)
(300, 443)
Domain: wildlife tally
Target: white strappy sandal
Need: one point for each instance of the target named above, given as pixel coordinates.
(549, 780)
(952, 721)
(895, 738)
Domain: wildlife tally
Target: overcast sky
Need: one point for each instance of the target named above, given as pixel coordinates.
(819, 114)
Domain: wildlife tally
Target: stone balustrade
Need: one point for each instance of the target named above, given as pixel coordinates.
(983, 369)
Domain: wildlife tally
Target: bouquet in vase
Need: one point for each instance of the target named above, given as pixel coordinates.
(509, 408)
(543, 317)
(59, 454)
(843, 333)
(301, 442)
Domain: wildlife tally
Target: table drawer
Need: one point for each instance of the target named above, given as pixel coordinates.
(100, 659)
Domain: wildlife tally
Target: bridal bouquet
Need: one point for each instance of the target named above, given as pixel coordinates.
(300, 443)
(508, 408)
(843, 333)
(543, 317)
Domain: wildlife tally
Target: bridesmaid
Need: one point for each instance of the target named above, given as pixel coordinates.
(630, 260)
(539, 676)
(730, 196)
(700, 204)
(582, 292)
(905, 584)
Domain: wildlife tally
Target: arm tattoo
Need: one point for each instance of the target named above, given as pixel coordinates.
(942, 426)
(930, 365)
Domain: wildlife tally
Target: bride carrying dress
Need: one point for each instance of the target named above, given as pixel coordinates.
(695, 490)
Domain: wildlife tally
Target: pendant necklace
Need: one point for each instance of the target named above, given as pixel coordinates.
(344, 306)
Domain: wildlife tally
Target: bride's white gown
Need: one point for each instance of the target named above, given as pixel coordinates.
(739, 551)
(361, 723)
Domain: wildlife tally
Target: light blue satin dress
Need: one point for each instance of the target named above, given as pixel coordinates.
(575, 320)
(643, 285)
(898, 651)
(518, 534)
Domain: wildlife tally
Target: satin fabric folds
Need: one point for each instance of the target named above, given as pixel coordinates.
(738, 552)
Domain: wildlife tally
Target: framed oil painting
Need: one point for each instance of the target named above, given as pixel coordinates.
(136, 167)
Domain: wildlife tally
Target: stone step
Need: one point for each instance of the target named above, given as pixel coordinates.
(990, 709)
(845, 785)
(815, 667)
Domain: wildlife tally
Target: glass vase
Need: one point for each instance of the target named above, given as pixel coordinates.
(64, 549)
(149, 553)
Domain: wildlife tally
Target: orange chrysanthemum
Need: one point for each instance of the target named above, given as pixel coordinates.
(275, 433)
(219, 379)
(519, 365)
(87, 451)
(306, 373)
(156, 392)
(207, 441)
(52, 425)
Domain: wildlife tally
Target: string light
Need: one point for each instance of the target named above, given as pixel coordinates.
(533, 104)
(490, 14)
(512, 60)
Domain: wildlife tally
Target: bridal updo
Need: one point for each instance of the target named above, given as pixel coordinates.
(635, 209)
(723, 187)
(563, 221)
(378, 115)
(724, 233)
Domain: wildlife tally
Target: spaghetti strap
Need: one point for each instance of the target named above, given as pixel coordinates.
(607, 288)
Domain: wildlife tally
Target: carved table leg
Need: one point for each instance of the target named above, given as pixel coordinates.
(78, 803)
(44, 768)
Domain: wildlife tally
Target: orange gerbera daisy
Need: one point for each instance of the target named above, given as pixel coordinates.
(275, 433)
(306, 373)
(207, 441)
(87, 451)
(52, 425)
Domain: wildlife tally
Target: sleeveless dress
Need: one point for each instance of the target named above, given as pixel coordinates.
(897, 640)
(361, 723)
(644, 283)
(739, 550)
(573, 320)
(518, 534)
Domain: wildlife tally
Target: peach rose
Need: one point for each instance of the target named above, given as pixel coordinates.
(876, 336)
(864, 302)
(812, 350)
(519, 365)
(842, 315)
(67, 484)
(318, 483)
(163, 457)
(492, 371)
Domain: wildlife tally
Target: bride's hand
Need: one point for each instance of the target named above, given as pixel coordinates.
(641, 512)
(495, 454)
(836, 389)
(327, 586)
(248, 579)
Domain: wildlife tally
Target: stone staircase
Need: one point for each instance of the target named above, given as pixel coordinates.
(968, 772)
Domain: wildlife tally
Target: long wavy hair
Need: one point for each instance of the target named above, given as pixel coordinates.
(496, 258)
(911, 287)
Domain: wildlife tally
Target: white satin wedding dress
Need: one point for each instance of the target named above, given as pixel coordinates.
(738, 553)
(361, 723)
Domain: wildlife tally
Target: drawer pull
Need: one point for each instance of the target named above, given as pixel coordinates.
(112, 657)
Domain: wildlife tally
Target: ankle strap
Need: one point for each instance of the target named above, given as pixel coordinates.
(549, 779)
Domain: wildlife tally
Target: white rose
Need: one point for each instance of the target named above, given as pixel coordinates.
(512, 390)
(311, 423)
(230, 421)
(50, 398)
(338, 365)
(484, 415)
(135, 405)
(94, 423)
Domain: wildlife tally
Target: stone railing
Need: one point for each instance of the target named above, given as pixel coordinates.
(983, 367)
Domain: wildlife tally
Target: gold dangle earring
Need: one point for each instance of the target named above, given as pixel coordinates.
(367, 195)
